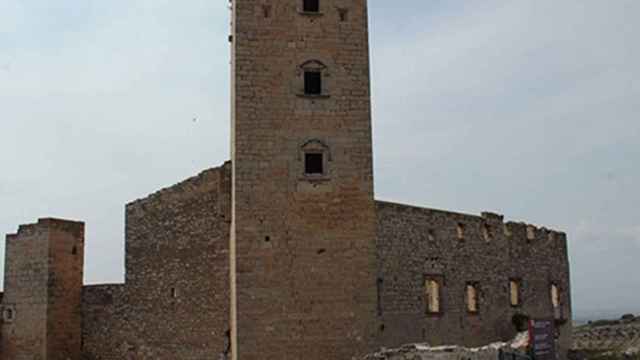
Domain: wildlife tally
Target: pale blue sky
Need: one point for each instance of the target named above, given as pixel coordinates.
(527, 108)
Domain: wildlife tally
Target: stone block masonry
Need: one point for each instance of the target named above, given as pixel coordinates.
(41, 316)
(302, 241)
(283, 253)
(414, 243)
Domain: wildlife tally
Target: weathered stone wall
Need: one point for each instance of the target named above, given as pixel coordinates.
(304, 245)
(43, 282)
(25, 294)
(175, 303)
(66, 269)
(417, 242)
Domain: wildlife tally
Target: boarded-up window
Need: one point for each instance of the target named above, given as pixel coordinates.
(514, 292)
(432, 295)
(555, 296)
(472, 298)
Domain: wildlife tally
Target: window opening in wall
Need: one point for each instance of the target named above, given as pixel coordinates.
(486, 232)
(8, 315)
(460, 231)
(507, 230)
(343, 14)
(174, 293)
(432, 295)
(311, 5)
(514, 292)
(74, 250)
(266, 11)
(431, 235)
(472, 298)
(313, 164)
(531, 233)
(555, 296)
(312, 83)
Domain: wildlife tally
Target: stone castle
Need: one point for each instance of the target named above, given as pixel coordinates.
(283, 252)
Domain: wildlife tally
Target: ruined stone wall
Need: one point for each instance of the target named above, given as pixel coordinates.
(175, 302)
(304, 271)
(416, 242)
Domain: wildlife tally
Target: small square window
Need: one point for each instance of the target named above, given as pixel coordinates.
(311, 6)
(313, 164)
(312, 83)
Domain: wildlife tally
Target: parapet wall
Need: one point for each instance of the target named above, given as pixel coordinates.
(175, 302)
(458, 249)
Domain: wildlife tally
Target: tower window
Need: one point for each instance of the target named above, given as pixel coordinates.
(312, 83)
(311, 5)
(313, 164)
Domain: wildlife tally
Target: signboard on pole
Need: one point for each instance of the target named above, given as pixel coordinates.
(542, 339)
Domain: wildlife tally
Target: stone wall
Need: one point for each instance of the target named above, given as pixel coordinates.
(414, 243)
(25, 281)
(66, 269)
(43, 282)
(175, 303)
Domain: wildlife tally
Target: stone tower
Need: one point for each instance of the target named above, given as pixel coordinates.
(303, 257)
(43, 292)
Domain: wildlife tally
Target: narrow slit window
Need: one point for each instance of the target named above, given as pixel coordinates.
(555, 296)
(314, 164)
(312, 83)
(460, 231)
(432, 296)
(486, 233)
(514, 292)
(311, 6)
(472, 298)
